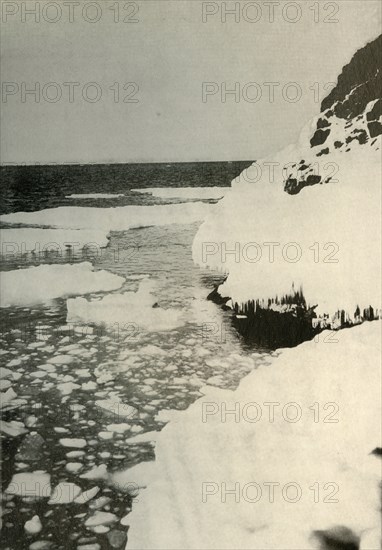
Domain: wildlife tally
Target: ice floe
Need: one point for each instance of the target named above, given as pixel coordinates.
(121, 410)
(9, 400)
(101, 518)
(185, 192)
(16, 242)
(111, 219)
(32, 485)
(87, 495)
(23, 286)
(73, 442)
(33, 526)
(13, 428)
(98, 472)
(131, 310)
(64, 493)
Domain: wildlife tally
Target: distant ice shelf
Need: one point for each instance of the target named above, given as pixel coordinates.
(185, 192)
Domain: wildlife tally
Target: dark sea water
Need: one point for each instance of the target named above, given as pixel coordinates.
(63, 370)
(29, 188)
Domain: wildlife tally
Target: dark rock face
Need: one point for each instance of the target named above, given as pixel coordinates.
(377, 451)
(293, 186)
(360, 135)
(359, 83)
(337, 538)
(375, 129)
(323, 123)
(376, 111)
(323, 152)
(319, 137)
(354, 104)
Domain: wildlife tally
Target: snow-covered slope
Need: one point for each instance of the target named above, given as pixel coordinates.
(317, 453)
(291, 459)
(323, 240)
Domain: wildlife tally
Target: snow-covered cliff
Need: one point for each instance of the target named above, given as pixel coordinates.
(298, 230)
(293, 249)
(211, 484)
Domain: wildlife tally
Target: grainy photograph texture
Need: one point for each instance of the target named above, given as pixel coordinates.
(190, 286)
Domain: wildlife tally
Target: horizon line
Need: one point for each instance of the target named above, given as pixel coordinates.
(17, 164)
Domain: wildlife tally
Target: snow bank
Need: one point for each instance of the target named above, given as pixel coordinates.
(111, 219)
(327, 238)
(128, 310)
(17, 241)
(185, 192)
(95, 196)
(333, 448)
(46, 282)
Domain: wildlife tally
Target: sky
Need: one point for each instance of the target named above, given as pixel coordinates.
(146, 82)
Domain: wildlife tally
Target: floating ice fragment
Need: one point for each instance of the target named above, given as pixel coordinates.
(23, 286)
(5, 373)
(89, 386)
(112, 308)
(101, 518)
(98, 472)
(67, 442)
(32, 484)
(64, 493)
(5, 384)
(105, 435)
(12, 428)
(8, 400)
(186, 192)
(41, 545)
(118, 428)
(38, 374)
(100, 529)
(152, 350)
(15, 362)
(61, 360)
(67, 387)
(33, 526)
(74, 467)
(60, 430)
(87, 495)
(47, 368)
(120, 410)
(75, 454)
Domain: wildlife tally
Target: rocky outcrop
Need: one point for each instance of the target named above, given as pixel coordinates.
(359, 83)
(350, 115)
(338, 157)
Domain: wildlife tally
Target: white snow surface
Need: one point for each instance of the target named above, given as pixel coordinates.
(129, 310)
(86, 229)
(170, 512)
(44, 283)
(111, 219)
(341, 217)
(185, 192)
(20, 240)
